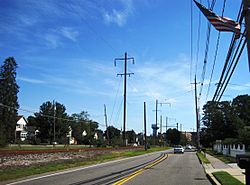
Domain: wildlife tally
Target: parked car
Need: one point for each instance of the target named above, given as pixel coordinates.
(178, 149)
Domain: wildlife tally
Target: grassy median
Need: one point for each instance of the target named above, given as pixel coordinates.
(18, 172)
(226, 179)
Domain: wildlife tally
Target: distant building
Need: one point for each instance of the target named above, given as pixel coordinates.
(23, 131)
(21, 128)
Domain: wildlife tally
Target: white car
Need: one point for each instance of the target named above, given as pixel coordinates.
(178, 149)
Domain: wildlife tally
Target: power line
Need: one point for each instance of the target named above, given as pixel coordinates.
(229, 55)
(43, 115)
(90, 27)
(236, 62)
(216, 52)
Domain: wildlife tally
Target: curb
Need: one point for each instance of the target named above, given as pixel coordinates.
(212, 179)
(210, 176)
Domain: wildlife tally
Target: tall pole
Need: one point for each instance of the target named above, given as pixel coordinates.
(197, 115)
(156, 115)
(54, 127)
(125, 59)
(106, 123)
(145, 127)
(124, 99)
(247, 22)
(166, 127)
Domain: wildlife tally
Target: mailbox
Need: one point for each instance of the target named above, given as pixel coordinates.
(243, 161)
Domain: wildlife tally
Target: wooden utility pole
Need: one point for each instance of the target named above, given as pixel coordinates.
(247, 22)
(125, 74)
(197, 115)
(54, 125)
(106, 123)
(156, 113)
(145, 127)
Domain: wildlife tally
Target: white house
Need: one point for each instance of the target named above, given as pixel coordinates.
(21, 131)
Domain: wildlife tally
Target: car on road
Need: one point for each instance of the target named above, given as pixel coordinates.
(178, 149)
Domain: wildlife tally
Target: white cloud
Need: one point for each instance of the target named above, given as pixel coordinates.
(31, 80)
(52, 40)
(119, 17)
(70, 33)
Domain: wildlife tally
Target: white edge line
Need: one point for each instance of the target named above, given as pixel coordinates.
(79, 169)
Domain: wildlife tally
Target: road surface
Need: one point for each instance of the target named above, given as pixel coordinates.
(157, 168)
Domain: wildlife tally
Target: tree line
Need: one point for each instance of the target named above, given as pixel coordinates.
(228, 121)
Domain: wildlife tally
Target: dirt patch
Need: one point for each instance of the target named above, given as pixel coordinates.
(33, 158)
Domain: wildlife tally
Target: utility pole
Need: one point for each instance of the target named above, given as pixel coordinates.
(106, 123)
(166, 127)
(145, 126)
(177, 126)
(197, 115)
(156, 113)
(54, 127)
(125, 74)
(166, 124)
(155, 126)
(247, 22)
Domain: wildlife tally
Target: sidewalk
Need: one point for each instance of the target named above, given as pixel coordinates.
(218, 165)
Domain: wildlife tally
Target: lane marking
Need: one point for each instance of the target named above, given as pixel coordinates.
(138, 172)
(76, 169)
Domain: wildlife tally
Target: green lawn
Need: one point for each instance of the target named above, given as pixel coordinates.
(224, 158)
(202, 157)
(226, 179)
(14, 173)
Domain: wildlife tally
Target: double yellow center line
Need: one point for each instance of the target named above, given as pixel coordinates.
(138, 172)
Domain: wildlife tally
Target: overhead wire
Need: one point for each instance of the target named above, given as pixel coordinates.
(198, 41)
(191, 43)
(203, 74)
(215, 55)
(234, 66)
(90, 27)
(229, 61)
(43, 115)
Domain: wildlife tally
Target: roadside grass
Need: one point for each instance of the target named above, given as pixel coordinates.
(202, 157)
(226, 179)
(224, 158)
(19, 172)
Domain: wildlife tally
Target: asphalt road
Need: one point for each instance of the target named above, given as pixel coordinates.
(157, 168)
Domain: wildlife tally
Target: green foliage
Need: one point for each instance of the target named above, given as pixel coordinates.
(131, 135)
(114, 135)
(226, 179)
(8, 97)
(44, 120)
(173, 136)
(226, 120)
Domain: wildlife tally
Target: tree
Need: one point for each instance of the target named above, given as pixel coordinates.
(83, 128)
(131, 136)
(114, 135)
(173, 136)
(9, 101)
(241, 106)
(45, 122)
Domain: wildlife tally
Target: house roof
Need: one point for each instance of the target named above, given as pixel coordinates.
(20, 117)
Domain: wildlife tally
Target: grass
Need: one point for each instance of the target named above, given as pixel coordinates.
(18, 172)
(226, 179)
(202, 157)
(224, 158)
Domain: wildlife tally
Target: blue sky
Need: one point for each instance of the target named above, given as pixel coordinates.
(65, 51)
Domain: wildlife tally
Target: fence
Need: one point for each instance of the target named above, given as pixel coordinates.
(229, 149)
